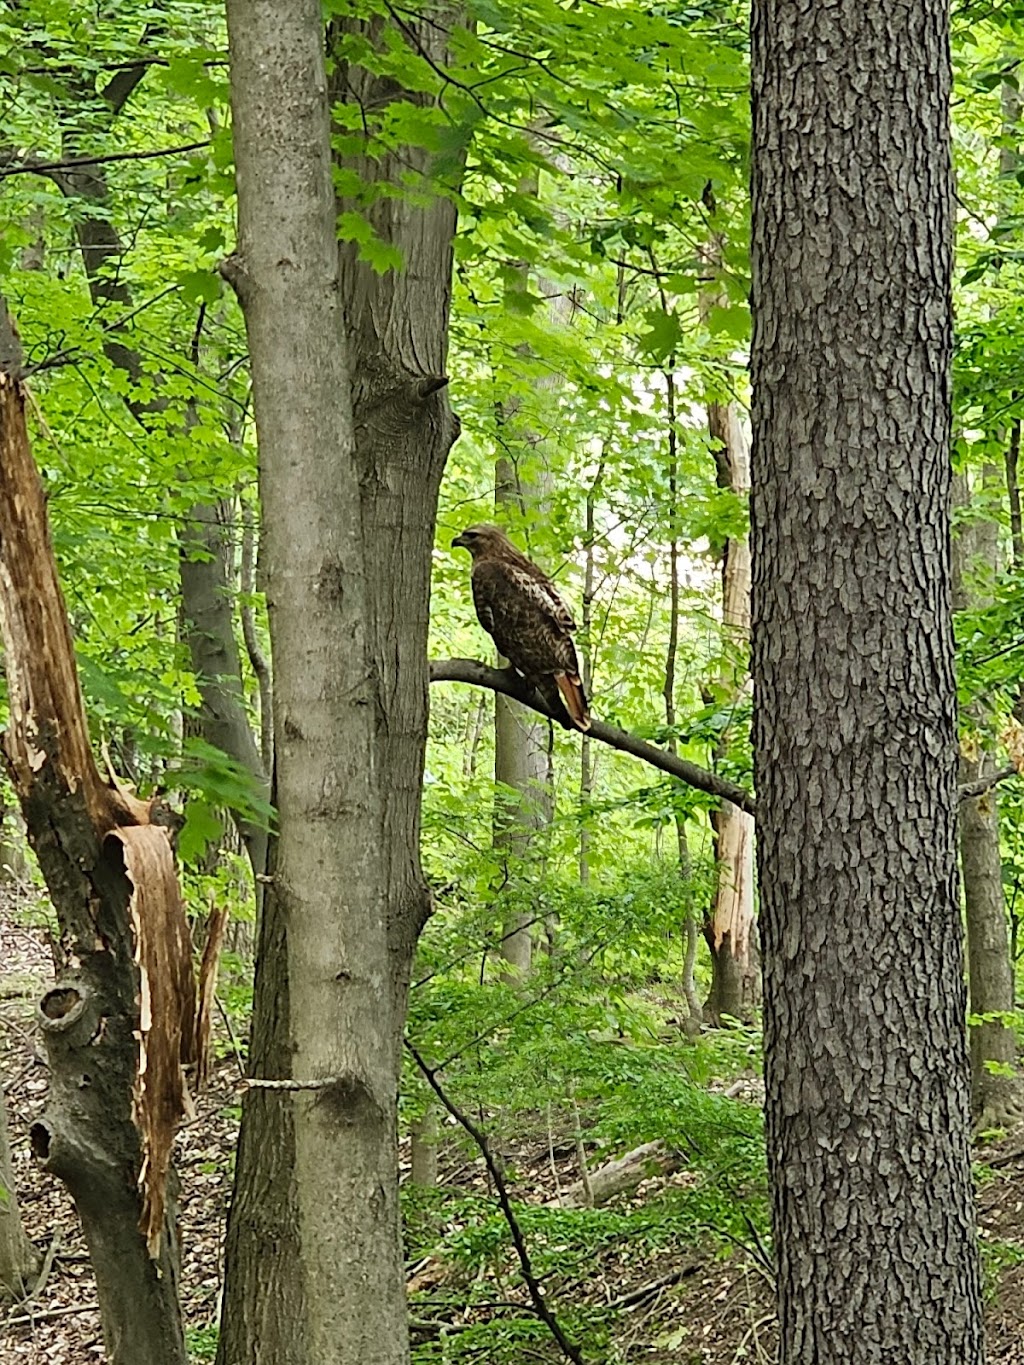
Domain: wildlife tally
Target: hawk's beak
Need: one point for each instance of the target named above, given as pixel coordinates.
(460, 539)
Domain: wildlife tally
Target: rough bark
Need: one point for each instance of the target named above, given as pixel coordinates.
(18, 1260)
(80, 830)
(855, 757)
(353, 430)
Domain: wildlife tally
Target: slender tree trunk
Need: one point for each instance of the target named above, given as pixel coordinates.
(520, 766)
(258, 661)
(521, 760)
(669, 694)
(207, 582)
(729, 928)
(425, 1134)
(18, 1260)
(315, 1269)
(1013, 492)
(997, 1095)
(587, 673)
(867, 1085)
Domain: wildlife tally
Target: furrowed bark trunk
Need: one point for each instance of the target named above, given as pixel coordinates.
(349, 497)
(867, 1093)
(90, 1018)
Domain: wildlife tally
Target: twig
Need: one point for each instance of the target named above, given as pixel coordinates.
(30, 1319)
(646, 1290)
(41, 167)
(44, 1269)
(568, 1348)
(239, 1061)
(322, 1083)
(983, 784)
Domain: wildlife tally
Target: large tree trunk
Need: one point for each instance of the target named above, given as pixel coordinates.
(109, 873)
(349, 497)
(855, 747)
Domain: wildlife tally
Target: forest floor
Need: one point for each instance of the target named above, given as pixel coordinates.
(691, 1307)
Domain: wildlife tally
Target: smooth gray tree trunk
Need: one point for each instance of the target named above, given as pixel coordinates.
(867, 1103)
(354, 428)
(997, 1094)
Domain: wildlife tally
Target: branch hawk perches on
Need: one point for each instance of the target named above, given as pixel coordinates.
(519, 608)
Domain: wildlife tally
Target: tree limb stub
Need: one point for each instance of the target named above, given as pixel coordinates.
(508, 682)
(511, 684)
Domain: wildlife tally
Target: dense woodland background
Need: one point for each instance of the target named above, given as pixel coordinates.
(587, 983)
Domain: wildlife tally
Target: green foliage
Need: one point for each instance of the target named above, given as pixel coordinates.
(598, 159)
(201, 1343)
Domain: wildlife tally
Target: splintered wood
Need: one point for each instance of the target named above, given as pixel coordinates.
(50, 761)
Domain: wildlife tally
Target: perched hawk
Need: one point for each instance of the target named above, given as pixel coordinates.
(528, 621)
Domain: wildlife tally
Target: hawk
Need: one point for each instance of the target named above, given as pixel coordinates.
(519, 608)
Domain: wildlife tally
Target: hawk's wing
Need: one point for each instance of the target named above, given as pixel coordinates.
(524, 615)
(535, 586)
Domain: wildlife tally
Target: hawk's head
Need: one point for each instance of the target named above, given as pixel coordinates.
(483, 540)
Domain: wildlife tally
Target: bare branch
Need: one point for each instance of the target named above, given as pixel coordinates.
(510, 684)
(30, 167)
(984, 784)
(568, 1348)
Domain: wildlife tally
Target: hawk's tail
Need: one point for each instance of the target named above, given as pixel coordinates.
(575, 699)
